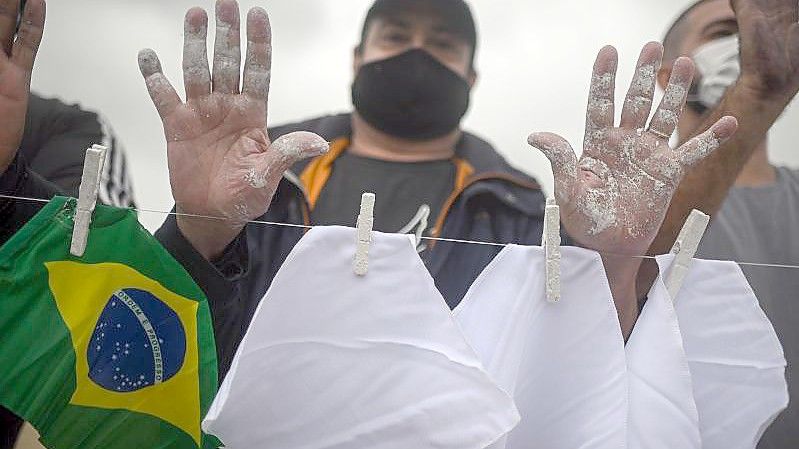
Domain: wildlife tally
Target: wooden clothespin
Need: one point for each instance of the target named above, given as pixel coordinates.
(685, 249)
(366, 222)
(87, 198)
(551, 244)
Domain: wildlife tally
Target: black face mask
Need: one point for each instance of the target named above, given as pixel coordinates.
(411, 96)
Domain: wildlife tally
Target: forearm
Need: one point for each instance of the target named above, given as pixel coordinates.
(622, 272)
(706, 186)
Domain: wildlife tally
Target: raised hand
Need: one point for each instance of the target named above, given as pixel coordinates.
(221, 160)
(769, 36)
(615, 197)
(16, 64)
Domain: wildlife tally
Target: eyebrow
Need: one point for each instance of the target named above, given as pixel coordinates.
(731, 22)
(397, 22)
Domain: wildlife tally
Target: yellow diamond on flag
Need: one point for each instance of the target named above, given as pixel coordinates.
(135, 342)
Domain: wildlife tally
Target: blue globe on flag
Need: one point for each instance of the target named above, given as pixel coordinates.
(138, 342)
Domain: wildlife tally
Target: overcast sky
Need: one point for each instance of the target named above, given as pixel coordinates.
(534, 62)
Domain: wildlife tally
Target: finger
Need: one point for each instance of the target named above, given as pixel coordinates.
(563, 159)
(29, 35)
(638, 103)
(196, 74)
(668, 113)
(161, 91)
(8, 23)
(281, 155)
(601, 108)
(227, 48)
(258, 65)
(701, 146)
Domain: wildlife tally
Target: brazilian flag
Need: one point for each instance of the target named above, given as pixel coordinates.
(112, 350)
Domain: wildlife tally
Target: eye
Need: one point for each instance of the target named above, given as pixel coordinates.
(719, 34)
(444, 44)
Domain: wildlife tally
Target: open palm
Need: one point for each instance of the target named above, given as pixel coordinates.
(16, 64)
(221, 161)
(769, 36)
(615, 198)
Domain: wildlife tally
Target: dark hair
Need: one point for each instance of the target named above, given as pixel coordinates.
(674, 36)
(455, 13)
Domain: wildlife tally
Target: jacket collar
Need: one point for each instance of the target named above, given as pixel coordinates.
(492, 173)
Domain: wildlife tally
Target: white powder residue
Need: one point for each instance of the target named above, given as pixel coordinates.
(600, 101)
(642, 89)
(644, 81)
(599, 205)
(675, 96)
(257, 75)
(705, 144)
(255, 178)
(638, 103)
(665, 119)
(242, 212)
(195, 55)
(298, 145)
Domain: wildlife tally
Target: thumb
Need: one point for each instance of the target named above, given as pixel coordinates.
(284, 152)
(563, 160)
(297, 146)
(701, 146)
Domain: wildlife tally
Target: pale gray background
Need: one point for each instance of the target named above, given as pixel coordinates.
(534, 61)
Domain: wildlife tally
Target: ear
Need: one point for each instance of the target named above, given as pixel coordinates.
(357, 58)
(472, 79)
(664, 74)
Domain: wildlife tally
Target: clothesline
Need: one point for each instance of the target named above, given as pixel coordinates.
(432, 239)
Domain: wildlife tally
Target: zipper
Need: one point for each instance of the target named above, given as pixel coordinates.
(305, 205)
(442, 217)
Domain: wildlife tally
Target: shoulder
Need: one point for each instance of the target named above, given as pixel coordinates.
(54, 110)
(329, 127)
(789, 177)
(485, 159)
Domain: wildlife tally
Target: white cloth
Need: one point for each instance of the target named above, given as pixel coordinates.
(663, 413)
(333, 360)
(564, 363)
(736, 362)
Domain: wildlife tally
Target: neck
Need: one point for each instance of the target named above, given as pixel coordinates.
(758, 172)
(372, 143)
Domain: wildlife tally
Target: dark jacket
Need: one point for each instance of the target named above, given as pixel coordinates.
(497, 204)
(55, 142)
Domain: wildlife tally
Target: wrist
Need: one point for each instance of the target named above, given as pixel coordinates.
(210, 237)
(622, 273)
(750, 91)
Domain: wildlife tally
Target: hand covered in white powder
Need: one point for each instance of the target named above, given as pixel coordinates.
(221, 160)
(615, 198)
(16, 65)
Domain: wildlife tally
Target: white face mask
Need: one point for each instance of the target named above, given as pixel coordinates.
(718, 64)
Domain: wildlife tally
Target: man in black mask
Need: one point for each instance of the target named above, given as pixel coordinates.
(414, 70)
